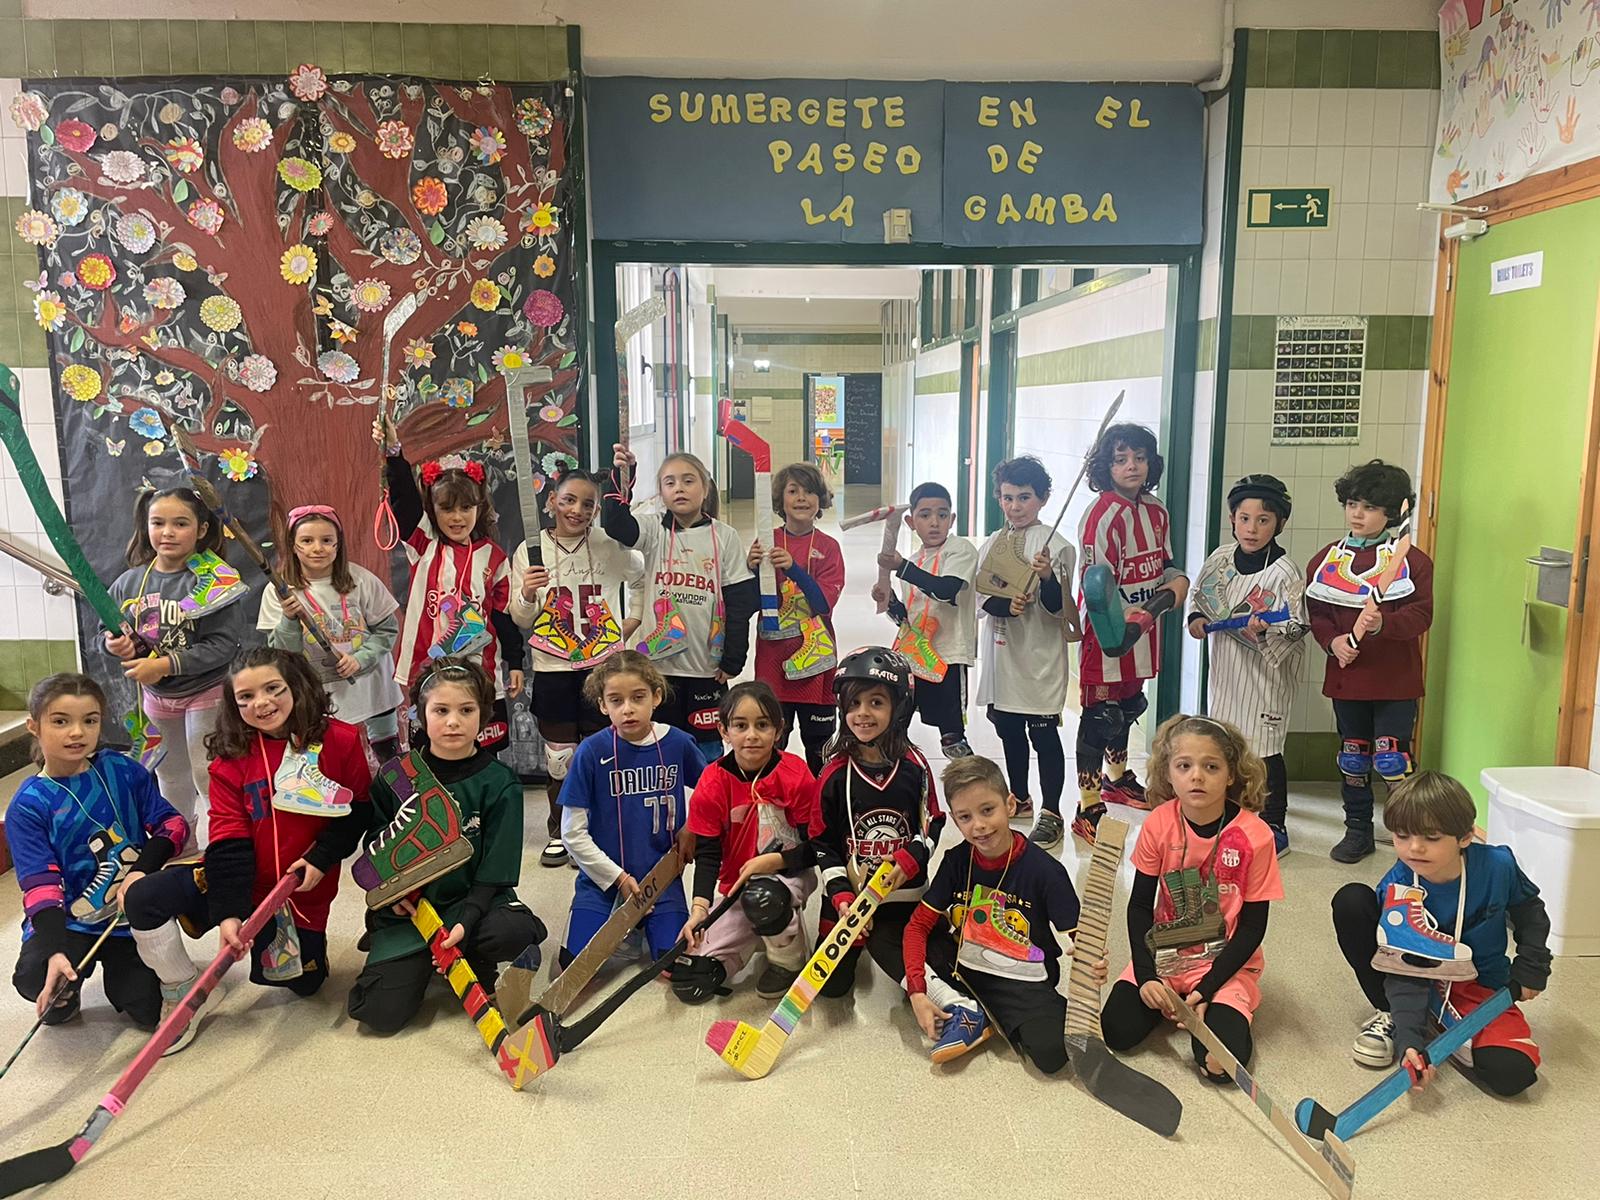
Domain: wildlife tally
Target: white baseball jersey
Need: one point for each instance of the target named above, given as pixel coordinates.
(956, 638)
(1023, 660)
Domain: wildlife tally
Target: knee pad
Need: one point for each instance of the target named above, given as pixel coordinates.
(1393, 763)
(558, 758)
(767, 905)
(1134, 706)
(1355, 761)
(1104, 721)
(696, 978)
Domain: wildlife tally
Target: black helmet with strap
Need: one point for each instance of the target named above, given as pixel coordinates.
(1268, 489)
(886, 667)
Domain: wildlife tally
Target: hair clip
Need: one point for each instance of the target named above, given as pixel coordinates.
(451, 462)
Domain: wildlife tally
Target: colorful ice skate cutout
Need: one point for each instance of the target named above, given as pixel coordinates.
(1337, 583)
(553, 632)
(1005, 571)
(144, 737)
(914, 639)
(667, 638)
(423, 842)
(116, 857)
(280, 961)
(817, 652)
(218, 584)
(719, 628)
(1411, 943)
(990, 943)
(1118, 625)
(299, 785)
(465, 629)
(792, 610)
(606, 637)
(1197, 933)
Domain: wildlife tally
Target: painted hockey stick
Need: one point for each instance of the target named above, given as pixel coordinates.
(1275, 616)
(1397, 562)
(61, 990)
(1330, 1163)
(516, 983)
(1316, 1121)
(1106, 1078)
(891, 536)
(752, 1052)
(522, 453)
(743, 436)
(38, 1167)
(385, 531)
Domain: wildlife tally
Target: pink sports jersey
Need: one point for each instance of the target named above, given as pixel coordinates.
(479, 572)
(1133, 538)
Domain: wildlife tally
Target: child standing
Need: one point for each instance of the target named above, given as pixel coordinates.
(1027, 891)
(695, 608)
(477, 901)
(354, 613)
(1373, 672)
(626, 803)
(180, 683)
(878, 803)
(941, 602)
(1023, 684)
(755, 796)
(811, 560)
(1128, 530)
(261, 827)
(460, 580)
(88, 824)
(569, 601)
(1207, 787)
(1464, 894)
(1255, 669)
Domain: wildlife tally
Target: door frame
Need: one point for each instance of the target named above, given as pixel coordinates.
(1581, 660)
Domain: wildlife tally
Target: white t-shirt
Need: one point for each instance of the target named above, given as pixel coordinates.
(345, 620)
(592, 569)
(1023, 659)
(956, 638)
(691, 567)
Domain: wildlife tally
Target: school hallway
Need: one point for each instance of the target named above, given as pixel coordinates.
(645, 1109)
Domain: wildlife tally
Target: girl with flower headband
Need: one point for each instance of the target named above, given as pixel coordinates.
(354, 612)
(460, 580)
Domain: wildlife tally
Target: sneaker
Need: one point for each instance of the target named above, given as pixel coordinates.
(1047, 830)
(966, 1028)
(774, 982)
(1024, 808)
(1355, 845)
(1083, 825)
(554, 854)
(632, 947)
(1126, 790)
(1280, 839)
(173, 996)
(69, 1008)
(960, 748)
(1374, 1045)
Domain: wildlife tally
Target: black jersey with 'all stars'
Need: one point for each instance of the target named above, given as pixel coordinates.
(870, 811)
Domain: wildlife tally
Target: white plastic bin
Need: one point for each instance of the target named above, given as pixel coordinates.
(1550, 817)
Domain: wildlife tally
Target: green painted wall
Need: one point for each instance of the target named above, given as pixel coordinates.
(1519, 401)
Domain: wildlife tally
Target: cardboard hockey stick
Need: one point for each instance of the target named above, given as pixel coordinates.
(38, 1167)
(61, 990)
(1386, 578)
(891, 535)
(1106, 1078)
(385, 531)
(1330, 1163)
(1316, 1121)
(743, 436)
(516, 983)
(752, 1052)
(517, 383)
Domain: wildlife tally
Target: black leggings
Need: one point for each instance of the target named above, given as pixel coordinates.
(1016, 731)
(1125, 1022)
(1502, 1070)
(1103, 731)
(131, 986)
(883, 943)
(1276, 811)
(1031, 1016)
(816, 722)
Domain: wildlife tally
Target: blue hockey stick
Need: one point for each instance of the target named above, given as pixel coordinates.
(1275, 616)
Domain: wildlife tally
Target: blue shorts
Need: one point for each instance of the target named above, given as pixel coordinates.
(661, 925)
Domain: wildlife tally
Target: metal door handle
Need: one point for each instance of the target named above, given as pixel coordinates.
(1540, 561)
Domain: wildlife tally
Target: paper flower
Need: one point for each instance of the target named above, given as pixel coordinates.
(220, 313)
(543, 308)
(122, 166)
(146, 422)
(70, 207)
(80, 382)
(419, 353)
(533, 118)
(95, 272)
(338, 366)
(206, 216)
(457, 392)
(50, 312)
(257, 372)
(370, 295)
(340, 332)
(467, 328)
(488, 143)
(429, 196)
(400, 246)
(253, 134)
(298, 264)
(75, 135)
(318, 224)
(165, 378)
(29, 111)
(184, 155)
(35, 228)
(184, 261)
(509, 358)
(170, 112)
(238, 463)
(229, 95)
(486, 295)
(485, 233)
(544, 266)
(545, 219)
(164, 292)
(340, 143)
(308, 83)
(300, 173)
(154, 449)
(136, 232)
(549, 414)
(395, 139)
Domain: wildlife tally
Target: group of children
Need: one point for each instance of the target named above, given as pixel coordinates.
(650, 749)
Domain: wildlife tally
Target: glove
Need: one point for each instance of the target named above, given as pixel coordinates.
(912, 859)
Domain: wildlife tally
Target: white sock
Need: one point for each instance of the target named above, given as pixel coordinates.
(944, 995)
(163, 952)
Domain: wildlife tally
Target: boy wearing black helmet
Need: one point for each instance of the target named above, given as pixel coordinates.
(1255, 592)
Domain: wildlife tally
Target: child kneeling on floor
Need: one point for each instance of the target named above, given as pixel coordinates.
(1006, 963)
(477, 901)
(1469, 894)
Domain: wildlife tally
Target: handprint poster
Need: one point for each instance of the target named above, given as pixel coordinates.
(1520, 86)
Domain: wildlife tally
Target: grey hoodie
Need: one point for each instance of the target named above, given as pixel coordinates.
(201, 646)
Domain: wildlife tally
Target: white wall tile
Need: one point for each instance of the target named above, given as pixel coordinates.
(1347, 287)
(1352, 230)
(1324, 243)
(1274, 167)
(1302, 166)
(1355, 175)
(1319, 286)
(1359, 106)
(1374, 287)
(1380, 231)
(1292, 286)
(1386, 116)
(1331, 120)
(1329, 168)
(1264, 290)
(1402, 285)
(1385, 170)
(1411, 177)
(1305, 103)
(1274, 117)
(1254, 102)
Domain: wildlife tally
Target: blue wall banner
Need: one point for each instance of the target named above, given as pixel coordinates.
(814, 160)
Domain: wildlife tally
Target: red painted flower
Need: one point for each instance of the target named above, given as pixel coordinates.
(543, 308)
(429, 196)
(76, 136)
(395, 139)
(96, 273)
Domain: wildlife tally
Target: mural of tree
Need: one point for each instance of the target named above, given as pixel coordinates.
(222, 254)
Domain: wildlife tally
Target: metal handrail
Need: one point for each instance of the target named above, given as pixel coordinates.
(57, 579)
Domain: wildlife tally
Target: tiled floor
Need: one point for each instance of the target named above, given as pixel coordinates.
(284, 1098)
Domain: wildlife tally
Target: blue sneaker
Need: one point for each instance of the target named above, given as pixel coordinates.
(966, 1028)
(1280, 839)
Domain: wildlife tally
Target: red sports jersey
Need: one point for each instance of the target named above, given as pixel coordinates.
(479, 572)
(820, 556)
(1133, 538)
(749, 816)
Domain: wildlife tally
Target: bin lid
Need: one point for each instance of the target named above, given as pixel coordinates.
(1564, 796)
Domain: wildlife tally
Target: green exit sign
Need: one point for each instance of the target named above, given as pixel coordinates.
(1287, 208)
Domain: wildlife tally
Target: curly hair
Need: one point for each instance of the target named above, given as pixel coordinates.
(1248, 787)
(809, 478)
(624, 662)
(1134, 437)
(233, 737)
(1382, 485)
(1023, 471)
